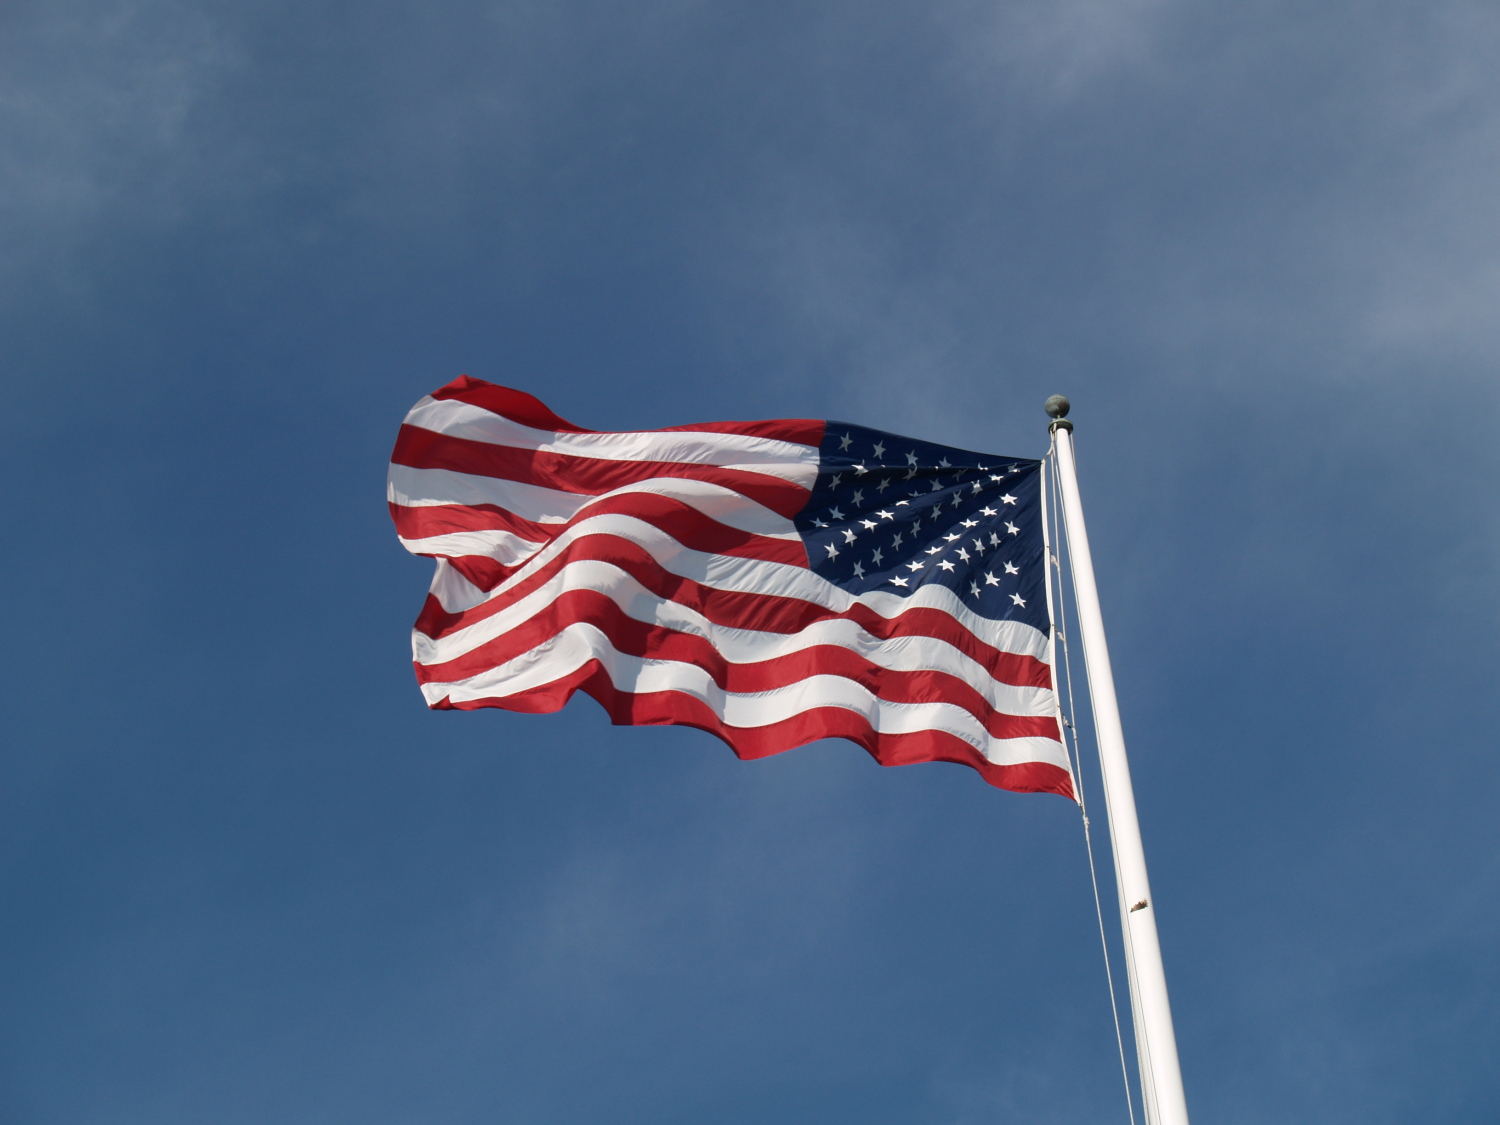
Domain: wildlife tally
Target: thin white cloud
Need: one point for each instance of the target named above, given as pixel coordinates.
(95, 108)
(1054, 49)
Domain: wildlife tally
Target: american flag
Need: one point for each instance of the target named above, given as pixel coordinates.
(770, 582)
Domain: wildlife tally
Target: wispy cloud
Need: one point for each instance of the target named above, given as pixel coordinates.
(96, 109)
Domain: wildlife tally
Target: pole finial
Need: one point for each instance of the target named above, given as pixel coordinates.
(1057, 408)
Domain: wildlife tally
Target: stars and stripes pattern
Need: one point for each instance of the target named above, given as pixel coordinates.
(770, 582)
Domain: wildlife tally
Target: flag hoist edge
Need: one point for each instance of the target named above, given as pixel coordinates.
(770, 582)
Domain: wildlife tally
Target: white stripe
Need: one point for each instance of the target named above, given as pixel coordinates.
(454, 592)
(759, 576)
(577, 645)
(736, 646)
(425, 488)
(788, 460)
(502, 546)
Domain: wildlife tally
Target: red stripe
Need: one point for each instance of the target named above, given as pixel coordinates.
(657, 642)
(521, 407)
(676, 708)
(769, 613)
(481, 571)
(588, 476)
(421, 521)
(518, 406)
(681, 521)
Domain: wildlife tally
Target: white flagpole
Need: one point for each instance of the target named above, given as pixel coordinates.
(1155, 1041)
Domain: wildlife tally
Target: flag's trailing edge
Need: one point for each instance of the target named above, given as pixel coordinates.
(771, 582)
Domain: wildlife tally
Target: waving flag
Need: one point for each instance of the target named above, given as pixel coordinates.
(771, 582)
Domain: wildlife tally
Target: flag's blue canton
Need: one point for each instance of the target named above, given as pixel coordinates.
(889, 513)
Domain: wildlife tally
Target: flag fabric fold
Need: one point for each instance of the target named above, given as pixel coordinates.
(770, 582)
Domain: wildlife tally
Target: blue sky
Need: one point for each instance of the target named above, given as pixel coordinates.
(247, 877)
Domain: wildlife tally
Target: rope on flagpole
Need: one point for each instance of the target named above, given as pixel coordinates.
(1054, 561)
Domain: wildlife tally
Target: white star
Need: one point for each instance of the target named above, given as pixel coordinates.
(988, 512)
(882, 486)
(883, 514)
(1010, 569)
(835, 514)
(896, 542)
(859, 496)
(914, 565)
(934, 550)
(848, 536)
(833, 552)
(819, 523)
(877, 557)
(900, 504)
(994, 477)
(860, 470)
(936, 487)
(951, 538)
(946, 564)
(911, 458)
(1011, 528)
(859, 570)
(978, 487)
(910, 473)
(994, 539)
(844, 441)
(1020, 601)
(990, 579)
(1007, 499)
(869, 525)
(971, 523)
(974, 588)
(898, 581)
(963, 554)
(945, 464)
(916, 525)
(979, 545)
(834, 483)
(879, 450)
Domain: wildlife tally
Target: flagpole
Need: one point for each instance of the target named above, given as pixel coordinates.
(1155, 1041)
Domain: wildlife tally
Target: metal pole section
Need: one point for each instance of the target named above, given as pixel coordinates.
(1156, 1043)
